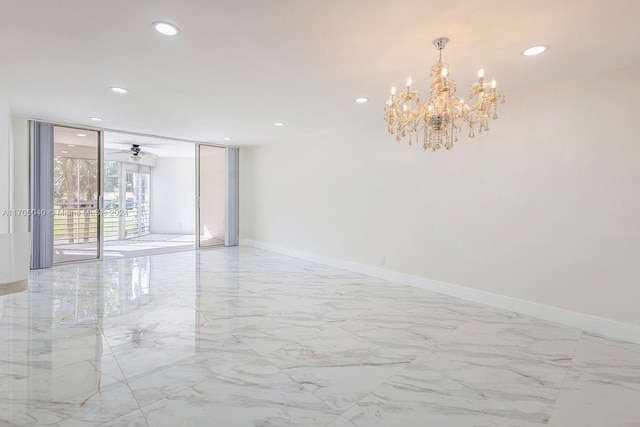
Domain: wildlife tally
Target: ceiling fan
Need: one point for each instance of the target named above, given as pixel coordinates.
(133, 154)
(136, 153)
(135, 150)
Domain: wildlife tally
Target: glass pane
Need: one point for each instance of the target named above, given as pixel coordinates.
(76, 221)
(137, 201)
(111, 203)
(212, 196)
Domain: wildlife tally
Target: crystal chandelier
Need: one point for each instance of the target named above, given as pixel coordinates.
(442, 116)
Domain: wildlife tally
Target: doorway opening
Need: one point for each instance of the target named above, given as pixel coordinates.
(149, 200)
(109, 195)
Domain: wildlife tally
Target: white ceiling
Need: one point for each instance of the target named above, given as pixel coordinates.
(159, 147)
(238, 65)
(83, 143)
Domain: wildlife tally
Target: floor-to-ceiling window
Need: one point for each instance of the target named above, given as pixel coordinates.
(149, 184)
(113, 195)
(76, 192)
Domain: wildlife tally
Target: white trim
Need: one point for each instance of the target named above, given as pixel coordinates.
(598, 325)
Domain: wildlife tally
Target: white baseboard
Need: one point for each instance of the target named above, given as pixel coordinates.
(586, 322)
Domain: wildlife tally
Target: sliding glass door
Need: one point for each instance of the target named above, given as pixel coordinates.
(84, 199)
(76, 194)
(210, 195)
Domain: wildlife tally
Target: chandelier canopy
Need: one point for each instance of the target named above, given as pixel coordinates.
(441, 117)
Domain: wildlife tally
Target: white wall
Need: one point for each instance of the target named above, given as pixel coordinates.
(246, 182)
(173, 196)
(20, 171)
(5, 156)
(544, 208)
(14, 167)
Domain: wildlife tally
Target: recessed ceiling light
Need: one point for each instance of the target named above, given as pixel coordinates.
(97, 119)
(166, 28)
(82, 134)
(361, 100)
(119, 90)
(64, 152)
(278, 124)
(535, 50)
(70, 145)
(227, 139)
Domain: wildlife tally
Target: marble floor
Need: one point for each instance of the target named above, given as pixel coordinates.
(149, 244)
(247, 337)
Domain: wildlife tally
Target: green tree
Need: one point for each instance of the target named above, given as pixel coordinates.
(75, 190)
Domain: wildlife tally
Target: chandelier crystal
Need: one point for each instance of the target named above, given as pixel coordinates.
(443, 115)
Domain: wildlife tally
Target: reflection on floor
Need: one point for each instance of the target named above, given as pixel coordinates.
(246, 337)
(150, 244)
(74, 252)
(212, 241)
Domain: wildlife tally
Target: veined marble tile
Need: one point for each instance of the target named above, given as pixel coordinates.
(256, 393)
(215, 354)
(148, 323)
(245, 305)
(340, 422)
(421, 302)
(374, 411)
(499, 373)
(446, 390)
(132, 419)
(60, 364)
(64, 407)
(611, 360)
(339, 367)
(58, 381)
(265, 334)
(390, 327)
(152, 353)
(590, 401)
(508, 334)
